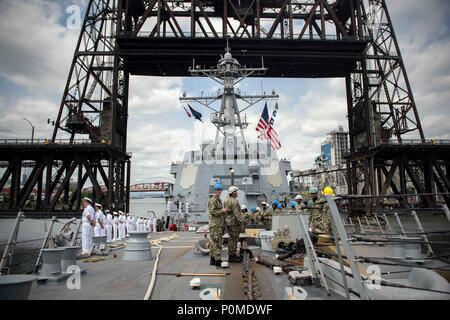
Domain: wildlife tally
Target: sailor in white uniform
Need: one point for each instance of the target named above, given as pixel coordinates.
(142, 224)
(186, 207)
(132, 223)
(115, 226)
(138, 224)
(99, 220)
(88, 221)
(154, 222)
(149, 224)
(129, 223)
(121, 226)
(108, 226)
(124, 225)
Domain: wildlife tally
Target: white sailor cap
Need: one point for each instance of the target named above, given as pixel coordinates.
(115, 213)
(98, 205)
(264, 203)
(106, 211)
(87, 199)
(121, 212)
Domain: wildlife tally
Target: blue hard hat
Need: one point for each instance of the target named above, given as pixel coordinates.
(275, 202)
(313, 190)
(253, 209)
(293, 203)
(218, 186)
(280, 206)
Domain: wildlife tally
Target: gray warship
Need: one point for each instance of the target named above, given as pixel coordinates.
(253, 167)
(376, 257)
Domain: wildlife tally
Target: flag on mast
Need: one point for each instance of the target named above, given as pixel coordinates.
(266, 131)
(197, 115)
(187, 112)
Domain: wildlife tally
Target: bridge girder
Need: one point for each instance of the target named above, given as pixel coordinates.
(352, 39)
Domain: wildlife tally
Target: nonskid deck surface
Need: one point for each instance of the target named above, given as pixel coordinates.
(112, 278)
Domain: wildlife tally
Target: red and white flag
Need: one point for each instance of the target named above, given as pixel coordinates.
(266, 131)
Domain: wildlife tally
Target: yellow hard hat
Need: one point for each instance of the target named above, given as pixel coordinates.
(328, 191)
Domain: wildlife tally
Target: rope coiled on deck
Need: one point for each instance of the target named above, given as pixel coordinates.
(157, 243)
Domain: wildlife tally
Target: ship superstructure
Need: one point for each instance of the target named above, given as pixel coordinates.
(253, 167)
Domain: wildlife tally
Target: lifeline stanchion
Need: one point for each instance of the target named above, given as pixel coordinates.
(8, 253)
(347, 249)
(316, 269)
(424, 236)
(44, 244)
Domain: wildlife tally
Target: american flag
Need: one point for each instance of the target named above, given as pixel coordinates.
(266, 131)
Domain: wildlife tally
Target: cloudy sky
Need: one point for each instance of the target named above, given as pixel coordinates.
(36, 49)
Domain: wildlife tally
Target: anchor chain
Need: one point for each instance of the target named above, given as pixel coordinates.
(251, 286)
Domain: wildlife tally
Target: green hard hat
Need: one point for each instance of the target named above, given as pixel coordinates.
(313, 190)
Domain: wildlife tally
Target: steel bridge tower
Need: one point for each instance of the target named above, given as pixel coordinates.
(349, 39)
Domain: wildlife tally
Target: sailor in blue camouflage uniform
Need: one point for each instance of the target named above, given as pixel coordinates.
(216, 225)
(234, 220)
(319, 218)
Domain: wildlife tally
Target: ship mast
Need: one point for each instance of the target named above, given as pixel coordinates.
(228, 121)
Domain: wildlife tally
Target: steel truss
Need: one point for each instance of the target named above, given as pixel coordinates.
(351, 39)
(389, 153)
(57, 175)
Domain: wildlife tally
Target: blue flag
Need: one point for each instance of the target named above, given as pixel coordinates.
(197, 115)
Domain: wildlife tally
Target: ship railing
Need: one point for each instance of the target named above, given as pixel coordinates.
(8, 263)
(395, 233)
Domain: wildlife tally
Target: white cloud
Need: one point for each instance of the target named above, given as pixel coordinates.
(12, 123)
(153, 95)
(36, 48)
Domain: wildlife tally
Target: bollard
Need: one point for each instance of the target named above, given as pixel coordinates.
(99, 242)
(69, 257)
(51, 262)
(16, 286)
(138, 247)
